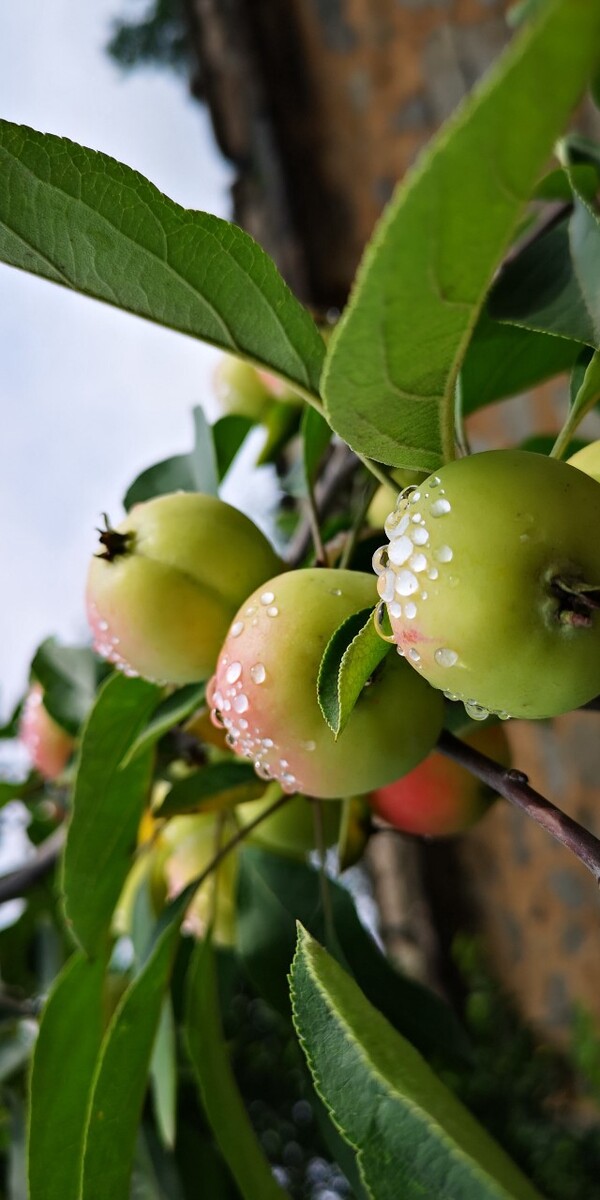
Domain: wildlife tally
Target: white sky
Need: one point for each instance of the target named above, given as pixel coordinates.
(90, 396)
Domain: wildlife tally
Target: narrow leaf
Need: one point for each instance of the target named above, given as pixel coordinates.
(81, 219)
(61, 1079)
(273, 893)
(69, 676)
(390, 374)
(108, 802)
(221, 1099)
(215, 786)
(228, 435)
(585, 399)
(122, 1073)
(316, 435)
(504, 360)
(351, 656)
(170, 712)
(386, 1101)
(163, 1075)
(195, 472)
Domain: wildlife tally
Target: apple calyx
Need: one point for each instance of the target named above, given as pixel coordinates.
(577, 601)
(115, 543)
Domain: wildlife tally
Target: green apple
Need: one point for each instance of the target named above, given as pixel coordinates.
(490, 577)
(265, 691)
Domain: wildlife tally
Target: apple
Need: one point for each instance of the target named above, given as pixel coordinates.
(239, 389)
(440, 797)
(291, 829)
(588, 460)
(485, 577)
(162, 594)
(264, 691)
(49, 745)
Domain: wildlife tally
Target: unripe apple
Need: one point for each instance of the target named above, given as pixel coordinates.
(291, 829)
(588, 460)
(188, 846)
(486, 576)
(49, 745)
(265, 691)
(239, 389)
(440, 797)
(161, 596)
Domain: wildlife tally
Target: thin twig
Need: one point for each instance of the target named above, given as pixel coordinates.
(18, 882)
(341, 467)
(323, 877)
(514, 786)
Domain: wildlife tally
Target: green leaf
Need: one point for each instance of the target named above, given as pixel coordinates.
(69, 676)
(586, 397)
(171, 711)
(504, 360)
(542, 288)
(273, 893)
(221, 1099)
(195, 472)
(163, 1075)
(391, 370)
(414, 1139)
(63, 1064)
(228, 434)
(584, 238)
(108, 802)
(85, 221)
(121, 1075)
(351, 656)
(214, 786)
(316, 435)
(81, 219)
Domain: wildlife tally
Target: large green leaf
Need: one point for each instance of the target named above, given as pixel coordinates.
(390, 375)
(505, 360)
(414, 1139)
(121, 1074)
(61, 1079)
(83, 220)
(273, 893)
(108, 803)
(221, 1099)
(215, 786)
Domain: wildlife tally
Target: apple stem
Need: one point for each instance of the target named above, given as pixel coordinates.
(578, 601)
(514, 786)
(115, 543)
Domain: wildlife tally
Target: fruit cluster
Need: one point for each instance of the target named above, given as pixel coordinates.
(490, 577)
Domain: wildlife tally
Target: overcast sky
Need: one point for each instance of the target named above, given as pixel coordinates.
(89, 395)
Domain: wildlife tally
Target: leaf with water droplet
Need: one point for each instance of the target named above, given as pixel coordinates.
(351, 656)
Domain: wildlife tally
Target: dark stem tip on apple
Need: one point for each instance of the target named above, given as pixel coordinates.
(115, 544)
(577, 601)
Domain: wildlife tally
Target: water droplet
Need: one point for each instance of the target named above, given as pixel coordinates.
(243, 724)
(263, 770)
(288, 781)
(237, 628)
(233, 672)
(433, 573)
(445, 657)
(504, 716)
(400, 550)
(445, 554)
(418, 563)
(440, 507)
(410, 610)
(413, 655)
(241, 703)
(309, 746)
(227, 706)
(283, 763)
(386, 584)
(258, 673)
(250, 611)
(272, 611)
(414, 497)
(103, 625)
(398, 528)
(419, 536)
(231, 738)
(395, 609)
(400, 651)
(336, 591)
(406, 492)
(379, 619)
(416, 520)
(216, 718)
(268, 743)
(476, 711)
(434, 481)
(380, 560)
(406, 583)
(267, 597)
(451, 695)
